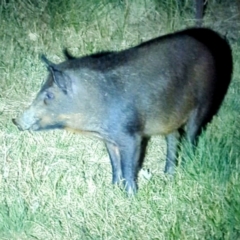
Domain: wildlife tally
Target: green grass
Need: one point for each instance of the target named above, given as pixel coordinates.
(57, 185)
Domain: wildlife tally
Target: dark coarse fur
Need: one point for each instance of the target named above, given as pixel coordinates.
(168, 85)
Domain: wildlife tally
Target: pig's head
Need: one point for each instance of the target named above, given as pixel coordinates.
(51, 107)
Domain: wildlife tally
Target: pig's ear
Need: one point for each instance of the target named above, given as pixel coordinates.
(68, 55)
(61, 79)
(47, 62)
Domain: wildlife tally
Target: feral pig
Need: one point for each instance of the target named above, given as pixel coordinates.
(170, 85)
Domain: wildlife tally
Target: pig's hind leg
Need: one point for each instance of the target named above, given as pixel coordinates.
(197, 121)
(172, 148)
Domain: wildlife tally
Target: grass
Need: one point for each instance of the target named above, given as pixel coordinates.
(56, 185)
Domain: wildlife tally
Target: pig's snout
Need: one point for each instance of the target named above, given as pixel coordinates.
(14, 120)
(26, 121)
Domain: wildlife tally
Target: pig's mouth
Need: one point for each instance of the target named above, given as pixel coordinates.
(37, 125)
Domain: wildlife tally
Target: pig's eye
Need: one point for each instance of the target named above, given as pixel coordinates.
(48, 97)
